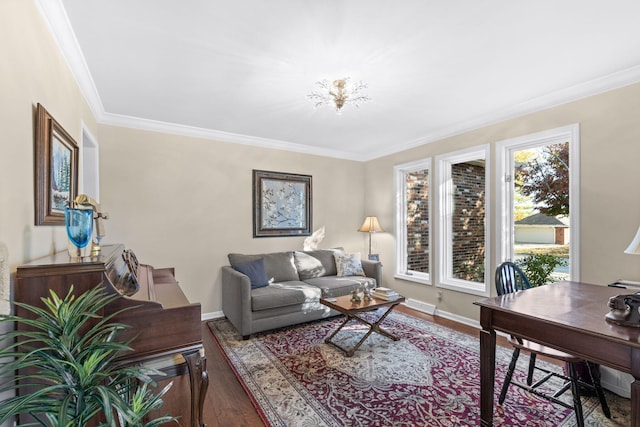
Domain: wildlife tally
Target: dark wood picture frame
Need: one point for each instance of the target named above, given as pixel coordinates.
(281, 204)
(56, 169)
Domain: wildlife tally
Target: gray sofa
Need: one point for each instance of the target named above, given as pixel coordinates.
(296, 280)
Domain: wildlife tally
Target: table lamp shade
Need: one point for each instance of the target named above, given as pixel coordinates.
(634, 247)
(371, 225)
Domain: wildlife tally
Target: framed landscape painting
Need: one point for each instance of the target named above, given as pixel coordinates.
(281, 204)
(56, 174)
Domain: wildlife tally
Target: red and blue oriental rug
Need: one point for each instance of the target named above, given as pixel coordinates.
(428, 378)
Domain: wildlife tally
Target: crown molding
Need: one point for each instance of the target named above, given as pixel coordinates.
(593, 87)
(221, 136)
(590, 88)
(58, 23)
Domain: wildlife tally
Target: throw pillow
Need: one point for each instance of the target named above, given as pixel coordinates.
(348, 264)
(308, 266)
(279, 265)
(255, 271)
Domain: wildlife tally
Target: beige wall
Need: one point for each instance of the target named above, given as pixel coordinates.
(176, 201)
(186, 202)
(609, 195)
(32, 70)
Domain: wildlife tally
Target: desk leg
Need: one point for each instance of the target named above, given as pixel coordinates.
(487, 370)
(635, 388)
(199, 381)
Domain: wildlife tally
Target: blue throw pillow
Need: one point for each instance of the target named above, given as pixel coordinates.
(255, 271)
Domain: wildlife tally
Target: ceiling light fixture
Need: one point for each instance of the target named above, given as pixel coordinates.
(339, 93)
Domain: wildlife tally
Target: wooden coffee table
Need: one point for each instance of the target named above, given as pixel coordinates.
(352, 310)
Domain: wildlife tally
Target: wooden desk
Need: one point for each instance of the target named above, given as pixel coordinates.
(568, 316)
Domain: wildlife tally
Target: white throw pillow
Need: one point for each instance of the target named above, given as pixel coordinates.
(348, 264)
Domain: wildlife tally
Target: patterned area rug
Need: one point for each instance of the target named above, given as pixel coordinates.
(428, 378)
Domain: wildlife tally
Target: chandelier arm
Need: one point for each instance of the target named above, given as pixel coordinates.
(338, 93)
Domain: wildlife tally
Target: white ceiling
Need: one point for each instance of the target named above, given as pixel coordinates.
(240, 70)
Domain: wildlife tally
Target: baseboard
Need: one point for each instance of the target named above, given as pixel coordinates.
(458, 319)
(421, 306)
(212, 315)
(434, 311)
(616, 381)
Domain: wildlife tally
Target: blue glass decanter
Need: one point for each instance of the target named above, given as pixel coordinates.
(79, 223)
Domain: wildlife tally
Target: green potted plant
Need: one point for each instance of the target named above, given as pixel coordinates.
(539, 267)
(64, 360)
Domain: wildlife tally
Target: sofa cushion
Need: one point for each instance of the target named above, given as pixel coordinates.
(333, 286)
(316, 263)
(255, 271)
(279, 265)
(348, 264)
(283, 294)
(308, 266)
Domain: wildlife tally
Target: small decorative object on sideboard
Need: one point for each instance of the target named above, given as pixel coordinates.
(98, 217)
(79, 224)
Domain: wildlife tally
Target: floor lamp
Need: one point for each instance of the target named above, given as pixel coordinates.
(370, 225)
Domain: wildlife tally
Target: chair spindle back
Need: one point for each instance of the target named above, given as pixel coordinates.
(510, 278)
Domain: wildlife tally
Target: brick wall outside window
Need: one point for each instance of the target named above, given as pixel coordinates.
(468, 221)
(417, 199)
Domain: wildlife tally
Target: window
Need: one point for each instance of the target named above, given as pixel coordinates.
(463, 229)
(539, 209)
(413, 225)
(89, 165)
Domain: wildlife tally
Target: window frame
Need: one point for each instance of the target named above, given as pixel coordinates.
(444, 230)
(504, 153)
(89, 168)
(400, 173)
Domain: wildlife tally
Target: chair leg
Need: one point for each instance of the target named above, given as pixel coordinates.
(532, 367)
(595, 380)
(507, 378)
(575, 390)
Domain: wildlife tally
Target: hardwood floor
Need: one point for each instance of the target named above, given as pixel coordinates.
(228, 405)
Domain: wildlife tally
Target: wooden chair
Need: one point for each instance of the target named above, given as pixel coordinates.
(510, 278)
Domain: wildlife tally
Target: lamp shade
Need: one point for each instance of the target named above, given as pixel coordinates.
(371, 225)
(634, 247)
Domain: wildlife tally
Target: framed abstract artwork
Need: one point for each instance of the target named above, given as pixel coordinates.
(281, 204)
(56, 169)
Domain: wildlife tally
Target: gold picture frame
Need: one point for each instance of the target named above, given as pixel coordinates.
(56, 169)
